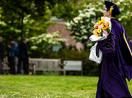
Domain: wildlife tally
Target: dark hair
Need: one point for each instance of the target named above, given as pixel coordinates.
(115, 9)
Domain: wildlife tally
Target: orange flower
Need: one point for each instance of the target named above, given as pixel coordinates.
(105, 25)
(96, 26)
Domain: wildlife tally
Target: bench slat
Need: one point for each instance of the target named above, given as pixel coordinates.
(70, 65)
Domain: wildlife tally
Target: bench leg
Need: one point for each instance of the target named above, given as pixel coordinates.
(64, 72)
(81, 73)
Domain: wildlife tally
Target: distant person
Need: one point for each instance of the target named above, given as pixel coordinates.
(11, 54)
(1, 55)
(23, 59)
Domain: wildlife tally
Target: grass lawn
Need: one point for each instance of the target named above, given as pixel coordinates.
(48, 86)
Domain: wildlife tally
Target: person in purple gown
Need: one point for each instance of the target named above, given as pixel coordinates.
(116, 64)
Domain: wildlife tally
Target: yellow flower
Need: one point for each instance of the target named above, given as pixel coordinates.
(97, 32)
(100, 22)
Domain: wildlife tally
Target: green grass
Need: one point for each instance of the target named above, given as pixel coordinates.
(48, 87)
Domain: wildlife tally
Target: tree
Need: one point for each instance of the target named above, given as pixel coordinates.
(82, 25)
(13, 14)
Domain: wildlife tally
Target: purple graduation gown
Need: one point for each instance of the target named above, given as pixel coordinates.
(116, 64)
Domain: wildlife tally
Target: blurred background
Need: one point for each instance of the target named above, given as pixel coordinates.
(57, 29)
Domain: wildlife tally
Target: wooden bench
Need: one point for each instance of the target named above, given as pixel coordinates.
(70, 65)
(45, 65)
(5, 66)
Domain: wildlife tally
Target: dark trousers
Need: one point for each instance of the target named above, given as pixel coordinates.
(11, 64)
(23, 65)
(1, 67)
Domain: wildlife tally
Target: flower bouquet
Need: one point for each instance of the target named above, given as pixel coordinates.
(101, 31)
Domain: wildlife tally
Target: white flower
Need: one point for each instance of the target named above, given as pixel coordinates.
(76, 19)
(26, 19)
(93, 21)
(76, 33)
(68, 24)
(80, 11)
(82, 27)
(85, 37)
(3, 23)
(87, 14)
(86, 10)
(71, 22)
(34, 47)
(92, 13)
(82, 15)
(84, 30)
(49, 35)
(91, 9)
(39, 41)
(81, 21)
(121, 0)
